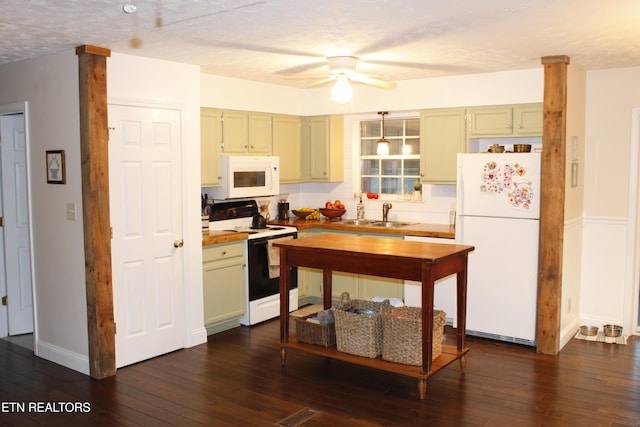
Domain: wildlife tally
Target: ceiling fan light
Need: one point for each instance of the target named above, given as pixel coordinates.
(342, 90)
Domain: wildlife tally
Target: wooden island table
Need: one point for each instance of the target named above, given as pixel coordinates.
(398, 259)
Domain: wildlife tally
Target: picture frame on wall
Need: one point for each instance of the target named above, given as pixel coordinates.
(55, 167)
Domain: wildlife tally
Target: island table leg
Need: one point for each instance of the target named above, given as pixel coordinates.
(285, 280)
(422, 388)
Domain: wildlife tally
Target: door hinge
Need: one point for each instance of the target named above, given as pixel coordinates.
(115, 328)
(5, 300)
(111, 231)
(1, 221)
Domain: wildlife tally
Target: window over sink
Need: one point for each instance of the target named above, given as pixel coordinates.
(394, 174)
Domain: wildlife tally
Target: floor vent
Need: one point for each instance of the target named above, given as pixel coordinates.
(298, 418)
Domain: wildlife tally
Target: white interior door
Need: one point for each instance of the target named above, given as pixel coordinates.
(146, 215)
(17, 252)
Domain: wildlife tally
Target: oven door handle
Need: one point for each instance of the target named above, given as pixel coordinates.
(258, 242)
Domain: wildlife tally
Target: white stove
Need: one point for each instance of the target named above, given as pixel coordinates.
(241, 225)
(262, 281)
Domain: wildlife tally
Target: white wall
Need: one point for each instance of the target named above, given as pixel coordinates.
(609, 293)
(236, 94)
(510, 87)
(50, 87)
(574, 204)
(141, 81)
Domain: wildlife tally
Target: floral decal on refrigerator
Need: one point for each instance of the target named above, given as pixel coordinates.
(510, 180)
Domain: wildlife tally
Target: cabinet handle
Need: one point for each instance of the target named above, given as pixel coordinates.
(520, 126)
(224, 253)
(509, 126)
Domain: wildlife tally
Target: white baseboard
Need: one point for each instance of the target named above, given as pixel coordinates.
(198, 336)
(61, 356)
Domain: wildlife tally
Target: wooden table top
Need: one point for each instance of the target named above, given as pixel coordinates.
(377, 247)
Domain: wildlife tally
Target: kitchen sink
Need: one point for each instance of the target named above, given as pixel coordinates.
(390, 224)
(358, 221)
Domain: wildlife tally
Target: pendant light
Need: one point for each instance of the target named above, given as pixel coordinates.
(382, 148)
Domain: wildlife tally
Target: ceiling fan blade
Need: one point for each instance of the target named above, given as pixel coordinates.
(308, 76)
(418, 65)
(299, 69)
(323, 81)
(364, 79)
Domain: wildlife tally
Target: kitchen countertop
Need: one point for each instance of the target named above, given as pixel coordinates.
(443, 231)
(211, 237)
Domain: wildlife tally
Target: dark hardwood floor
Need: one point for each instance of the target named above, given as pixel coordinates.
(236, 380)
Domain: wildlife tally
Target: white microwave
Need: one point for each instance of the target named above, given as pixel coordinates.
(249, 176)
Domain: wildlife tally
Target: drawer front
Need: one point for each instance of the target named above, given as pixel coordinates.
(220, 252)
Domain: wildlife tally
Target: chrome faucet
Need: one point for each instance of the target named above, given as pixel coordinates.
(385, 211)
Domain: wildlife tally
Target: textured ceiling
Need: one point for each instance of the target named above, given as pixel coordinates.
(264, 39)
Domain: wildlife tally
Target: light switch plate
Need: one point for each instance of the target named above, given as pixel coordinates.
(71, 212)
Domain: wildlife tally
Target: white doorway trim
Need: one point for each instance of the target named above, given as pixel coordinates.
(23, 108)
(632, 271)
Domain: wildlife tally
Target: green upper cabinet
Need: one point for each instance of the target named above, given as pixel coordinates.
(246, 133)
(287, 146)
(260, 134)
(210, 140)
(235, 132)
(442, 137)
(490, 121)
(508, 120)
(528, 120)
(323, 148)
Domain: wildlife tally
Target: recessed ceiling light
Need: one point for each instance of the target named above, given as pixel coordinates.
(130, 8)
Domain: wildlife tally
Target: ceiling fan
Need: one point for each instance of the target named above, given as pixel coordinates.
(342, 71)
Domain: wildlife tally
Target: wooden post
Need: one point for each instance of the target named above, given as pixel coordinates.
(94, 153)
(552, 204)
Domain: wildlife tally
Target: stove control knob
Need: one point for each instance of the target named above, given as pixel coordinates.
(178, 243)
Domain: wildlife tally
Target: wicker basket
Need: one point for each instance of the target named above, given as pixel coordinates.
(359, 334)
(402, 332)
(315, 333)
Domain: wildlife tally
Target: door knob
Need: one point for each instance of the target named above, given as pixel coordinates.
(178, 243)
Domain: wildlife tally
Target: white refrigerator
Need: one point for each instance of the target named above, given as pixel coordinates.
(498, 212)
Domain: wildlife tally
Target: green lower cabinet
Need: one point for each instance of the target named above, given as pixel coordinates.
(371, 286)
(223, 271)
(359, 286)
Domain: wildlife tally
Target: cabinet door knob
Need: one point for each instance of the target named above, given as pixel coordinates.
(224, 253)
